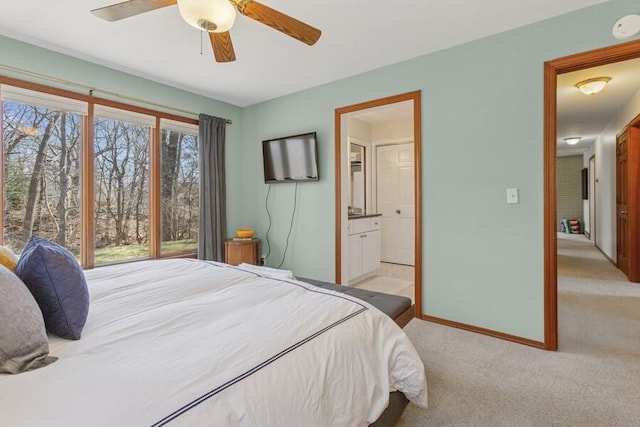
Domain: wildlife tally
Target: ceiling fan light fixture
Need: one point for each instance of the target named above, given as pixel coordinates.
(209, 15)
(572, 140)
(592, 86)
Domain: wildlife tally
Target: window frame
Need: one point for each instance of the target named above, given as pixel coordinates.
(87, 245)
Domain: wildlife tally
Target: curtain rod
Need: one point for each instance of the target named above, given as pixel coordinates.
(92, 90)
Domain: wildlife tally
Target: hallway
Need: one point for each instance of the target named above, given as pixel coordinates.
(598, 308)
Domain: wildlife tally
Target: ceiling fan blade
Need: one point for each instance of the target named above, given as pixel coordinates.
(279, 21)
(222, 47)
(119, 11)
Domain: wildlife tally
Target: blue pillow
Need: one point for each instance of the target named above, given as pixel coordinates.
(58, 285)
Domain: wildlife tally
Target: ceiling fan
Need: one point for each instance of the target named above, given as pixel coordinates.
(216, 17)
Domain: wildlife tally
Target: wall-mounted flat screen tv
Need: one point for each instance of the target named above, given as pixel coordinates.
(292, 158)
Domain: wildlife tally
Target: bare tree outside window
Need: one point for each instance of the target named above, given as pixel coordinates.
(179, 192)
(41, 175)
(121, 183)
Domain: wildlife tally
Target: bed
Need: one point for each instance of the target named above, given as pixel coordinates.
(397, 307)
(189, 343)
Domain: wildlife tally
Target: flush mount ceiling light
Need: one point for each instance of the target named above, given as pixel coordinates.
(572, 140)
(216, 16)
(593, 86)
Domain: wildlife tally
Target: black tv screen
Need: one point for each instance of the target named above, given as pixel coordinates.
(289, 159)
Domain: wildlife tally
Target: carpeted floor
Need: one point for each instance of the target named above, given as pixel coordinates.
(593, 380)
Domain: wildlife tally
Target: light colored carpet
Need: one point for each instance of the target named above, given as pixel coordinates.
(593, 380)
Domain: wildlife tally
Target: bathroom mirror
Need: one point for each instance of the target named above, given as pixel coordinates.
(357, 172)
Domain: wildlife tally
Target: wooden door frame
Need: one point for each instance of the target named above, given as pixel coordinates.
(417, 177)
(592, 200)
(580, 61)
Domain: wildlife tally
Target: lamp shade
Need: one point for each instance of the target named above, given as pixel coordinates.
(572, 140)
(592, 86)
(215, 16)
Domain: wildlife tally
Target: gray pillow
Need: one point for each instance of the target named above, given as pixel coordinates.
(57, 282)
(23, 339)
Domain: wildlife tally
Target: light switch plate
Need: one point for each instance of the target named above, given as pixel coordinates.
(512, 196)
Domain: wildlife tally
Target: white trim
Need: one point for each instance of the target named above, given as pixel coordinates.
(124, 115)
(181, 127)
(41, 99)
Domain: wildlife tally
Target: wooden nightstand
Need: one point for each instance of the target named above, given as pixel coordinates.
(239, 251)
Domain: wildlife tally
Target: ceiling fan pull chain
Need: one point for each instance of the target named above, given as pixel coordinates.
(201, 31)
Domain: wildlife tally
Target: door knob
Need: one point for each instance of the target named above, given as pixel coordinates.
(398, 211)
(623, 212)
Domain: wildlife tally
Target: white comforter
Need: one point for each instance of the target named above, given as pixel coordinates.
(191, 343)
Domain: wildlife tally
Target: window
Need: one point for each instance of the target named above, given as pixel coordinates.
(41, 156)
(138, 198)
(121, 184)
(179, 186)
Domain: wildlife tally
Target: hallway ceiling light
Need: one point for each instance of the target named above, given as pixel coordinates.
(572, 140)
(593, 86)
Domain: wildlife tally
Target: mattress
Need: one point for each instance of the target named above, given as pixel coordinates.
(186, 342)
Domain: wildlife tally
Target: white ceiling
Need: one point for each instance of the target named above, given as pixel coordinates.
(398, 111)
(357, 36)
(587, 116)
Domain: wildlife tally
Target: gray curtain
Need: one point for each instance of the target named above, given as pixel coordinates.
(213, 207)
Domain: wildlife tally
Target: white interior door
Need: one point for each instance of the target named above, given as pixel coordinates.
(394, 182)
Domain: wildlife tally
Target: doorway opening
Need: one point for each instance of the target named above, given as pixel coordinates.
(552, 69)
(357, 199)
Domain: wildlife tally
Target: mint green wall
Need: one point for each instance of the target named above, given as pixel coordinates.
(482, 133)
